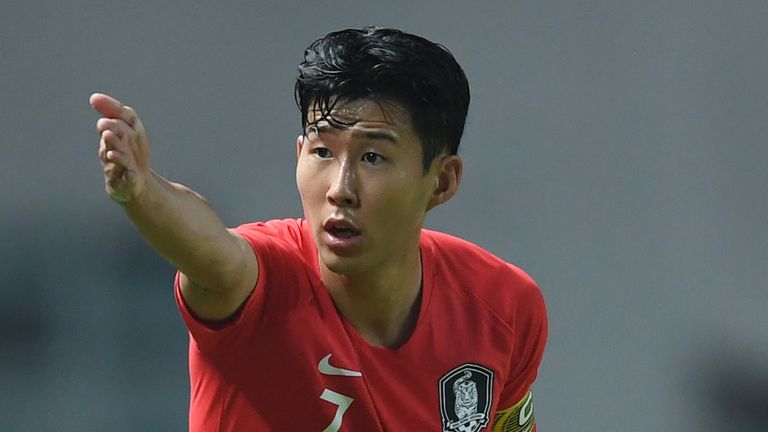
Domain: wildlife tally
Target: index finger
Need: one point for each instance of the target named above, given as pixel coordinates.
(112, 108)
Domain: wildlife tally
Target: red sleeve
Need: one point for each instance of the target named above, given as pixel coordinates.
(515, 410)
(277, 245)
(530, 337)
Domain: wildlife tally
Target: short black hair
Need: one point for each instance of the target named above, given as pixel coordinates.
(387, 64)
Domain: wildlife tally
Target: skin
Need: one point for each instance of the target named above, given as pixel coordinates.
(370, 173)
(218, 267)
(379, 184)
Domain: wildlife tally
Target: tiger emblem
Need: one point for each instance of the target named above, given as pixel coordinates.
(466, 398)
(465, 392)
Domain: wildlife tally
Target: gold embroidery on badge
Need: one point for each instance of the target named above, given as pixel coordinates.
(518, 418)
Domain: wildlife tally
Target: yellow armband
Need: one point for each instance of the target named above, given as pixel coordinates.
(518, 418)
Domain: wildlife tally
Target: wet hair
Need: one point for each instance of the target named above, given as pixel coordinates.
(387, 65)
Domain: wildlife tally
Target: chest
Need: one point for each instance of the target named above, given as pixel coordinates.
(307, 370)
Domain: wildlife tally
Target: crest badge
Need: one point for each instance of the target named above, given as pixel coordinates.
(466, 397)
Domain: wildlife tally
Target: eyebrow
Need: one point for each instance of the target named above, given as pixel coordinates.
(378, 135)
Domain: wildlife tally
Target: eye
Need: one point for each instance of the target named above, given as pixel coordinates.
(373, 158)
(321, 152)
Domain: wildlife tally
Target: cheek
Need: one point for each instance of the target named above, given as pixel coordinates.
(309, 185)
(401, 203)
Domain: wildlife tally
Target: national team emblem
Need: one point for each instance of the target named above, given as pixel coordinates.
(466, 396)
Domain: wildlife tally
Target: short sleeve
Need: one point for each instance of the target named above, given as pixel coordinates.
(277, 246)
(515, 407)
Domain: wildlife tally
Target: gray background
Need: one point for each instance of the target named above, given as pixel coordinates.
(616, 150)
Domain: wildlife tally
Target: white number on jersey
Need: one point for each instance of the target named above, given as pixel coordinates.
(342, 402)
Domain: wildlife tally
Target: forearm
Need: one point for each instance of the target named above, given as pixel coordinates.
(219, 268)
(183, 228)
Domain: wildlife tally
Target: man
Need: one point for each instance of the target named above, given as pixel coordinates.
(353, 318)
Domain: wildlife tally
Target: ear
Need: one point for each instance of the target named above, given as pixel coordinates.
(299, 145)
(447, 179)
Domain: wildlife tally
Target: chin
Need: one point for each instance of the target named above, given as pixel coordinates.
(341, 265)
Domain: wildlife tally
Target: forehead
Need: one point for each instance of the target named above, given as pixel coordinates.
(367, 113)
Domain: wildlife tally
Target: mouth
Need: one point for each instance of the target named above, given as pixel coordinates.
(341, 228)
(341, 235)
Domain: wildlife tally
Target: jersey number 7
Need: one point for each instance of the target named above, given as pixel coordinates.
(342, 403)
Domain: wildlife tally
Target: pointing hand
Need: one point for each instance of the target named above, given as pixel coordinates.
(123, 148)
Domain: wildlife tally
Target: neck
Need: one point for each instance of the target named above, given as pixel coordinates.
(382, 304)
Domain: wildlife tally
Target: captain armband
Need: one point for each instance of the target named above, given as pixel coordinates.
(518, 418)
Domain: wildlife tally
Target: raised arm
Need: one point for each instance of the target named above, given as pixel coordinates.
(219, 269)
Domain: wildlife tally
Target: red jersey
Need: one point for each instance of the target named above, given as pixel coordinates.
(288, 361)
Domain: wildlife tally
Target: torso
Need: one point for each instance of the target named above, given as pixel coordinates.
(267, 371)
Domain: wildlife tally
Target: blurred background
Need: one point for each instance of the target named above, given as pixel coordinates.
(616, 150)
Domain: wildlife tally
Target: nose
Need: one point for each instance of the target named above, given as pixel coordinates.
(343, 190)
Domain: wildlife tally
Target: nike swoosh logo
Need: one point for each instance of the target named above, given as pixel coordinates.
(325, 368)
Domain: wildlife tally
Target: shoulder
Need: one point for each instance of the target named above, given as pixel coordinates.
(287, 229)
(291, 232)
(283, 240)
(507, 290)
